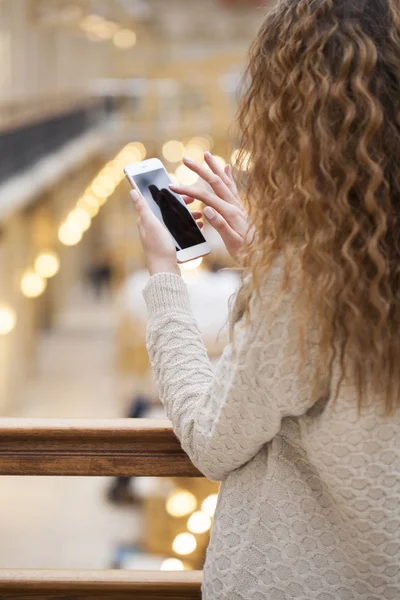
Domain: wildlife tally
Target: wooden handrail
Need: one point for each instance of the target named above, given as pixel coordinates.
(119, 447)
(96, 585)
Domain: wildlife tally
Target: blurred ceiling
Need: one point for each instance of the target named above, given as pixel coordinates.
(218, 21)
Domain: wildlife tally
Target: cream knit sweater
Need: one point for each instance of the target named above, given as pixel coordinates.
(309, 501)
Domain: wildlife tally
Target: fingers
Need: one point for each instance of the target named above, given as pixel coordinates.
(225, 175)
(205, 196)
(228, 171)
(141, 205)
(232, 240)
(216, 178)
(229, 174)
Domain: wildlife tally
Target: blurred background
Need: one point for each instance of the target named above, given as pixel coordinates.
(86, 87)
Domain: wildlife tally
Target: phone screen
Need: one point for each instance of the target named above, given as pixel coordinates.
(169, 208)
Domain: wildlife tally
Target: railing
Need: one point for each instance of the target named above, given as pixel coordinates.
(30, 133)
(94, 448)
(96, 585)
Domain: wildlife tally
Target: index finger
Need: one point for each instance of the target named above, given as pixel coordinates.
(218, 182)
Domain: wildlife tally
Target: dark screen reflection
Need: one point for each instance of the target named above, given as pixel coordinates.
(178, 220)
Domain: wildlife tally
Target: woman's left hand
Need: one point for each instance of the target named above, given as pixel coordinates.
(157, 242)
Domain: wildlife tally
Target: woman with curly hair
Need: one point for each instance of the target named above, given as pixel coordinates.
(300, 422)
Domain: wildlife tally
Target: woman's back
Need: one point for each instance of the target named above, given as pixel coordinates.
(308, 505)
(301, 420)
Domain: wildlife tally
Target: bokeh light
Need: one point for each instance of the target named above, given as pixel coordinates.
(69, 235)
(192, 264)
(199, 522)
(89, 204)
(141, 148)
(173, 151)
(181, 503)
(124, 39)
(210, 504)
(47, 264)
(184, 543)
(205, 143)
(8, 319)
(173, 178)
(90, 22)
(195, 152)
(172, 564)
(130, 154)
(186, 176)
(32, 285)
(79, 218)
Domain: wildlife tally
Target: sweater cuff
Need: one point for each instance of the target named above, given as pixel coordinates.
(166, 292)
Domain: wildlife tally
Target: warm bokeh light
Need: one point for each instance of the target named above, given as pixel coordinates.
(124, 39)
(195, 152)
(97, 28)
(173, 178)
(184, 543)
(114, 174)
(186, 176)
(8, 319)
(90, 22)
(103, 186)
(191, 265)
(32, 285)
(209, 505)
(172, 564)
(199, 522)
(100, 191)
(130, 154)
(205, 143)
(79, 218)
(47, 264)
(69, 235)
(89, 204)
(173, 151)
(140, 147)
(181, 503)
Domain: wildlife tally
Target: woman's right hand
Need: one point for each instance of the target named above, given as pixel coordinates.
(223, 210)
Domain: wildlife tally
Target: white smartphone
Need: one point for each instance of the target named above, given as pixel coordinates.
(151, 179)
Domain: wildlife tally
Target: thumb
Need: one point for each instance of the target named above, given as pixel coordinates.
(140, 204)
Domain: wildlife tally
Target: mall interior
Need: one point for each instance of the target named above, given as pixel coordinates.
(87, 87)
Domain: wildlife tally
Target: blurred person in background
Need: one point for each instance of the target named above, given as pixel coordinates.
(300, 421)
(100, 274)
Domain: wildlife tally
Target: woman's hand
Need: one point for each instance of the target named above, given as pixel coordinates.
(157, 242)
(223, 210)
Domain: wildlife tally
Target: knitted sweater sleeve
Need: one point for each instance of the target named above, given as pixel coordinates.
(223, 417)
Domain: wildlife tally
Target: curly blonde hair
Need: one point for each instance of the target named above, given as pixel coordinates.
(320, 121)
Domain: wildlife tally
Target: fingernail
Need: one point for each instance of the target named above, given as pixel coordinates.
(135, 195)
(208, 154)
(209, 213)
(187, 159)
